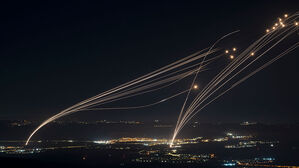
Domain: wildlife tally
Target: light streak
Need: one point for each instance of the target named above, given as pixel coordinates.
(218, 88)
(137, 86)
(190, 65)
(210, 88)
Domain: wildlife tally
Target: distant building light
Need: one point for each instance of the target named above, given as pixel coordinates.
(229, 164)
(101, 142)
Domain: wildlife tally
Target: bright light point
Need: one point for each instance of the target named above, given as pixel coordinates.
(276, 24)
(252, 54)
(273, 28)
(283, 25)
(231, 57)
(234, 49)
(226, 51)
(280, 19)
(285, 15)
(296, 23)
(267, 30)
(195, 86)
(170, 145)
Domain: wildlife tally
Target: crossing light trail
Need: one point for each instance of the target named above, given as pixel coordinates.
(258, 49)
(243, 79)
(137, 107)
(151, 82)
(234, 73)
(196, 75)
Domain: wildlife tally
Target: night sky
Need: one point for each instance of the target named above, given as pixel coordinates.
(54, 55)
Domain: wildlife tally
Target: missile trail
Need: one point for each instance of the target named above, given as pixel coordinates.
(193, 81)
(170, 75)
(133, 88)
(229, 72)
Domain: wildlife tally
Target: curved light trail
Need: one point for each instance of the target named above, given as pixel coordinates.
(226, 79)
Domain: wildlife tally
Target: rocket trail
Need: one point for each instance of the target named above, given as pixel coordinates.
(243, 79)
(233, 74)
(148, 83)
(193, 81)
(242, 62)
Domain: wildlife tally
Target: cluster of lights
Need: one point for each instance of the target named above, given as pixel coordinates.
(280, 23)
(231, 56)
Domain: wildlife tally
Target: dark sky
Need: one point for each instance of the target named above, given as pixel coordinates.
(54, 55)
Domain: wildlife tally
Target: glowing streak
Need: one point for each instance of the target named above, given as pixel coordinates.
(177, 130)
(160, 78)
(103, 97)
(223, 84)
(184, 121)
(182, 109)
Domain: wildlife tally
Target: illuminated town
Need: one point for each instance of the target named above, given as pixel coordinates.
(142, 151)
